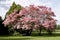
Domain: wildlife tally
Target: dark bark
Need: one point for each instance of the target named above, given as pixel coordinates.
(49, 31)
(40, 31)
(28, 32)
(25, 32)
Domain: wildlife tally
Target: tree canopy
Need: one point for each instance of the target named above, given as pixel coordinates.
(31, 16)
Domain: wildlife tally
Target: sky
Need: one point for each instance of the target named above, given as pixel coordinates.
(54, 4)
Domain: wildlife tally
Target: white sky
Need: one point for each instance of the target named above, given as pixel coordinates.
(54, 4)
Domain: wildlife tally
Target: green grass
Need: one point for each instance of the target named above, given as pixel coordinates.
(30, 38)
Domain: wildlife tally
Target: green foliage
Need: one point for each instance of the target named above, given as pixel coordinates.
(14, 6)
(18, 7)
(11, 8)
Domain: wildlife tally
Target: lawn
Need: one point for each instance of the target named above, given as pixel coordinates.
(30, 38)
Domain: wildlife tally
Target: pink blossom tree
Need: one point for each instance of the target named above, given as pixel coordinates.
(31, 18)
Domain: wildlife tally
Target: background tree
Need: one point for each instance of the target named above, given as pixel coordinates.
(3, 30)
(14, 6)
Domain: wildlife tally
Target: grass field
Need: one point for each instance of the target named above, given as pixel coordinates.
(30, 38)
(42, 37)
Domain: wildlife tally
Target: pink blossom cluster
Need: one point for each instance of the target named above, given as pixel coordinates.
(31, 17)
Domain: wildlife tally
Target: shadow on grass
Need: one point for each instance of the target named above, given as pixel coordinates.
(15, 39)
(36, 35)
(46, 35)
